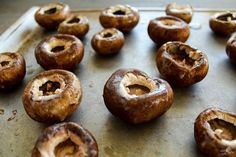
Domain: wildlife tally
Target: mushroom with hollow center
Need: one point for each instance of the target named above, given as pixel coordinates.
(184, 12)
(60, 51)
(51, 15)
(52, 95)
(223, 23)
(108, 41)
(74, 24)
(136, 98)
(181, 64)
(168, 28)
(215, 133)
(65, 140)
(12, 69)
(231, 48)
(121, 17)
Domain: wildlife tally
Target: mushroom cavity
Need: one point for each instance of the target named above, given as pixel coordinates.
(229, 17)
(5, 60)
(136, 85)
(223, 129)
(51, 10)
(74, 20)
(170, 23)
(47, 88)
(184, 55)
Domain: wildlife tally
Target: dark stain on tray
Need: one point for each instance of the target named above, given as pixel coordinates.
(14, 112)
(1, 111)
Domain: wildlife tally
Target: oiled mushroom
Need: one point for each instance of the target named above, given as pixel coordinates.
(184, 12)
(51, 15)
(12, 69)
(65, 140)
(168, 28)
(181, 64)
(231, 48)
(121, 17)
(215, 133)
(223, 23)
(52, 95)
(134, 97)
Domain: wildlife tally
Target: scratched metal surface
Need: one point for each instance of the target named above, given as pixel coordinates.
(168, 136)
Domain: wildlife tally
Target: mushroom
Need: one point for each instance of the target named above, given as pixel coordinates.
(184, 12)
(231, 48)
(51, 96)
(60, 51)
(51, 15)
(122, 17)
(168, 28)
(181, 64)
(65, 140)
(134, 97)
(108, 41)
(215, 133)
(223, 23)
(12, 69)
(74, 24)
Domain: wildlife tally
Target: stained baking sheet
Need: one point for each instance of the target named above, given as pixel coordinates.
(168, 136)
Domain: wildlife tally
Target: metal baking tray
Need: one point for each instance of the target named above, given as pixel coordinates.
(168, 136)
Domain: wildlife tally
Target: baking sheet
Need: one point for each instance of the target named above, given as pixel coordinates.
(168, 136)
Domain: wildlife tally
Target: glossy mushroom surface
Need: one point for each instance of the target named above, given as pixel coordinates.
(184, 12)
(181, 64)
(60, 51)
(215, 133)
(52, 95)
(122, 17)
(76, 25)
(223, 23)
(108, 41)
(231, 48)
(51, 15)
(134, 97)
(12, 69)
(65, 140)
(168, 28)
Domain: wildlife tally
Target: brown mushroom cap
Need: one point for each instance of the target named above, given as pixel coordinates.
(184, 12)
(108, 41)
(181, 64)
(168, 28)
(51, 15)
(52, 95)
(215, 133)
(74, 24)
(132, 96)
(223, 23)
(231, 48)
(65, 139)
(60, 51)
(12, 69)
(122, 17)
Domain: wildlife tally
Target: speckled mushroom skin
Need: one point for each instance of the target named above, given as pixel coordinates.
(66, 59)
(231, 48)
(181, 74)
(108, 45)
(222, 27)
(12, 74)
(49, 110)
(184, 12)
(124, 23)
(205, 138)
(161, 33)
(138, 109)
(51, 21)
(54, 134)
